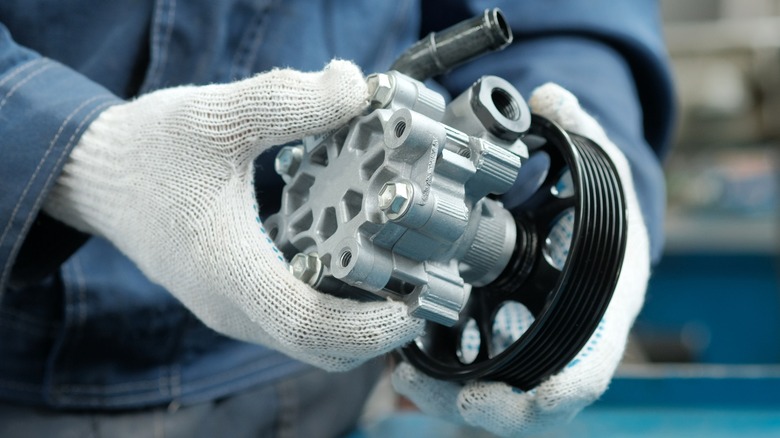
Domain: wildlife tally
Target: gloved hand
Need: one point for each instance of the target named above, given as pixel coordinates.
(168, 179)
(508, 411)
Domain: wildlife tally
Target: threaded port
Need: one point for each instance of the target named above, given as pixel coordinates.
(505, 104)
(345, 258)
(400, 127)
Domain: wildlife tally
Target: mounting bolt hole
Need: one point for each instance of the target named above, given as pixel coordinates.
(505, 104)
(345, 258)
(400, 127)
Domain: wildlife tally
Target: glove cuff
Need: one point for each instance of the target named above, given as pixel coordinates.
(85, 194)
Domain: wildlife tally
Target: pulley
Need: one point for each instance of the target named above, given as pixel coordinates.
(565, 286)
(501, 229)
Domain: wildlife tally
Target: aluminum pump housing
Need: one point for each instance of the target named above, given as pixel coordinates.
(401, 202)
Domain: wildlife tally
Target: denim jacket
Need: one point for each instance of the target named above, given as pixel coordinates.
(80, 326)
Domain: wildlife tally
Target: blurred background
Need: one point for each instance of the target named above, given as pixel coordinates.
(715, 299)
(704, 356)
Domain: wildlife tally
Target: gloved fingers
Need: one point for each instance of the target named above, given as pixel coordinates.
(278, 106)
(494, 406)
(561, 106)
(223, 316)
(588, 375)
(309, 321)
(507, 411)
(234, 257)
(432, 396)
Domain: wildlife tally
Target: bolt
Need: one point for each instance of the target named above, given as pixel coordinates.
(306, 267)
(395, 198)
(381, 88)
(288, 160)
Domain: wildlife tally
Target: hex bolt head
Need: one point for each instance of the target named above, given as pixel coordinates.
(306, 267)
(395, 198)
(288, 160)
(381, 88)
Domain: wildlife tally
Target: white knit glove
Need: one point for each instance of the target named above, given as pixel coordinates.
(168, 179)
(508, 411)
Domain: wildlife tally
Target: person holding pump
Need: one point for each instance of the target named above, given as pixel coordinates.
(140, 294)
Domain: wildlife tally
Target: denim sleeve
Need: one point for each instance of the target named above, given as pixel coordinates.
(44, 109)
(612, 57)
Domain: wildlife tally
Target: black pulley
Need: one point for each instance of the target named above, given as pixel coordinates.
(565, 286)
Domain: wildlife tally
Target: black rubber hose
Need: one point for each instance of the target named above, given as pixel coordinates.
(441, 51)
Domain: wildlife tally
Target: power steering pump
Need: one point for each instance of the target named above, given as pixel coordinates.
(405, 203)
